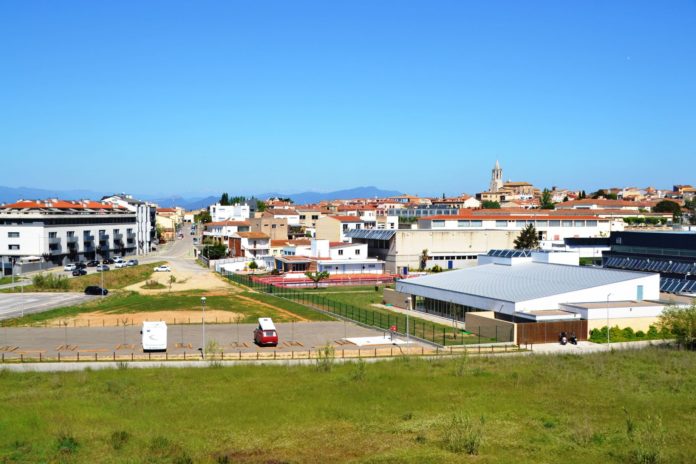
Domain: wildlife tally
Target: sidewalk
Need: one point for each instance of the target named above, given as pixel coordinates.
(422, 315)
(21, 283)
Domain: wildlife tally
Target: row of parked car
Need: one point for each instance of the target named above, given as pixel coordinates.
(79, 269)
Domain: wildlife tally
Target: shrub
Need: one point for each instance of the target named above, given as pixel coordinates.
(628, 333)
(640, 334)
(462, 435)
(67, 444)
(119, 439)
(50, 282)
(326, 358)
(652, 332)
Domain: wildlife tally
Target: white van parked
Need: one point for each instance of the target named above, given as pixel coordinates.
(154, 336)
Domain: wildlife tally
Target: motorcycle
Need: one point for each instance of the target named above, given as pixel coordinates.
(563, 338)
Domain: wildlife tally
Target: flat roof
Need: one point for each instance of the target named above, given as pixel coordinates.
(521, 282)
(615, 304)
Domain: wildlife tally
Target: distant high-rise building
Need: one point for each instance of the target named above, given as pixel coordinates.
(496, 178)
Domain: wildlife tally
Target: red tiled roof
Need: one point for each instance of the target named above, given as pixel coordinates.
(259, 235)
(347, 218)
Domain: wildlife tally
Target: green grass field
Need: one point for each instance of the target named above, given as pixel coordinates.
(7, 280)
(132, 302)
(621, 407)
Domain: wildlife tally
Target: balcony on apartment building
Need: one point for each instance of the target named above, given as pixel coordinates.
(72, 239)
(54, 241)
(118, 236)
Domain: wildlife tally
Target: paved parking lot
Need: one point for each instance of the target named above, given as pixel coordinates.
(17, 304)
(181, 338)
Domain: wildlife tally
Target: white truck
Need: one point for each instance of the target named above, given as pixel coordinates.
(154, 336)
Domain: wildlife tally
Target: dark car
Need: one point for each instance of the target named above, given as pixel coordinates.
(92, 263)
(94, 290)
(108, 261)
(79, 272)
(81, 265)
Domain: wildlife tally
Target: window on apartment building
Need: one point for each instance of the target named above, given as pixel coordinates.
(579, 223)
(340, 252)
(554, 223)
(116, 231)
(71, 233)
(53, 235)
(102, 232)
(357, 252)
(462, 223)
(302, 217)
(520, 223)
(129, 231)
(13, 235)
(345, 227)
(438, 224)
(476, 223)
(542, 223)
(591, 223)
(13, 247)
(315, 217)
(567, 223)
(501, 223)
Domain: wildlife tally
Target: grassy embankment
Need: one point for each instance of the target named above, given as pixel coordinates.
(633, 406)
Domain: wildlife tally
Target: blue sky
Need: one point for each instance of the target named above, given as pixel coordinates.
(418, 96)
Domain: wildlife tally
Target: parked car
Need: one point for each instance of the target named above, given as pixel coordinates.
(118, 259)
(265, 334)
(79, 272)
(69, 267)
(163, 268)
(92, 263)
(120, 264)
(94, 290)
(81, 265)
(132, 262)
(108, 261)
(102, 268)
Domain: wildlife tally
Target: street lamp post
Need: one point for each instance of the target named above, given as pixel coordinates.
(608, 295)
(408, 332)
(203, 320)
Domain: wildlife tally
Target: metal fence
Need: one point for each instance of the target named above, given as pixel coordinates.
(424, 330)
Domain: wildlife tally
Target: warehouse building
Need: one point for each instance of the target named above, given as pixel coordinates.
(524, 287)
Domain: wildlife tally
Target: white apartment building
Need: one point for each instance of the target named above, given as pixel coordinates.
(236, 212)
(145, 220)
(221, 232)
(332, 257)
(61, 231)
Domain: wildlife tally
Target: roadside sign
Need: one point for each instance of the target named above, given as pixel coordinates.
(393, 328)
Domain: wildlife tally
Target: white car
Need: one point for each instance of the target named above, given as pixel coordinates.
(69, 267)
(120, 264)
(118, 260)
(162, 269)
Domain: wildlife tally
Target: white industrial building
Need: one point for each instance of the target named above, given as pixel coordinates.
(332, 257)
(534, 286)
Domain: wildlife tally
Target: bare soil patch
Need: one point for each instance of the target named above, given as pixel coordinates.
(100, 319)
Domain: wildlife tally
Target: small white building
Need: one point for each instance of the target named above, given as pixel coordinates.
(236, 212)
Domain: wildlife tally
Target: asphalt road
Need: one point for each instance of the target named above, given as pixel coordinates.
(18, 304)
(30, 341)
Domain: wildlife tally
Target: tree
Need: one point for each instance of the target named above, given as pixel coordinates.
(528, 239)
(317, 277)
(260, 206)
(423, 259)
(611, 196)
(599, 194)
(681, 322)
(203, 217)
(215, 251)
(253, 266)
(225, 199)
(667, 206)
(546, 200)
(490, 205)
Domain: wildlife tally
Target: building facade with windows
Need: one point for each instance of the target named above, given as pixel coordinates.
(59, 231)
(145, 220)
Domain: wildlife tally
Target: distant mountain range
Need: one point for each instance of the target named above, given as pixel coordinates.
(11, 194)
